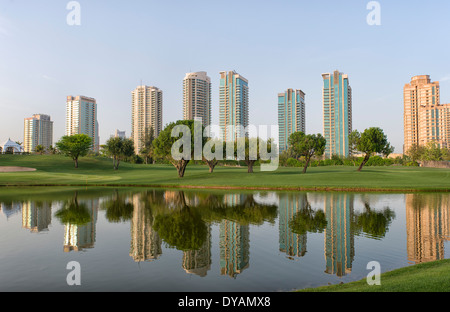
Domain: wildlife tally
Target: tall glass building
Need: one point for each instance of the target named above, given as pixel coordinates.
(291, 115)
(337, 113)
(233, 113)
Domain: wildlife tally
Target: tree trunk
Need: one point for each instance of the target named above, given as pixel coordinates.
(211, 164)
(366, 159)
(181, 167)
(307, 164)
(250, 166)
(76, 163)
(117, 164)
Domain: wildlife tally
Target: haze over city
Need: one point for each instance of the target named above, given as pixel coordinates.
(276, 45)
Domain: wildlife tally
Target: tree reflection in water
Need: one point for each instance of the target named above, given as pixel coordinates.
(74, 213)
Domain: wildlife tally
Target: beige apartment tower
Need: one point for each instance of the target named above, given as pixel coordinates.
(38, 130)
(147, 110)
(81, 118)
(197, 97)
(425, 119)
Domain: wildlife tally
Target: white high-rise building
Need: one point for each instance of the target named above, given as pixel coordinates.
(38, 130)
(197, 97)
(146, 113)
(81, 118)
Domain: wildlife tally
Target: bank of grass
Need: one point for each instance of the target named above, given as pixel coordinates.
(98, 171)
(424, 277)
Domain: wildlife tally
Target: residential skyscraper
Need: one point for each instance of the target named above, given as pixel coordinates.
(197, 97)
(81, 118)
(291, 115)
(424, 118)
(38, 130)
(233, 113)
(146, 113)
(337, 113)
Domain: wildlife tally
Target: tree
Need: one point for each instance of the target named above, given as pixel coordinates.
(119, 149)
(353, 140)
(52, 150)
(372, 141)
(307, 146)
(215, 150)
(75, 146)
(147, 149)
(433, 152)
(165, 145)
(415, 152)
(39, 149)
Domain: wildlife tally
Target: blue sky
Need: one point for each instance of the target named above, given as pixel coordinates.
(274, 44)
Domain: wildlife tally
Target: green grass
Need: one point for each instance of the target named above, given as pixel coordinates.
(92, 171)
(424, 277)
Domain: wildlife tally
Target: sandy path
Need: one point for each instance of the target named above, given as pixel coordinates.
(16, 169)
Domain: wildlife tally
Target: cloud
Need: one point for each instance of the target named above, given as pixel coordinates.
(445, 78)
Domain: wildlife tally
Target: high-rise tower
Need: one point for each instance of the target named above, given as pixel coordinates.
(38, 130)
(197, 97)
(233, 105)
(147, 109)
(81, 118)
(291, 115)
(337, 113)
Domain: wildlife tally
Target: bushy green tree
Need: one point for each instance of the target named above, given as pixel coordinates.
(119, 149)
(307, 145)
(165, 145)
(75, 146)
(370, 142)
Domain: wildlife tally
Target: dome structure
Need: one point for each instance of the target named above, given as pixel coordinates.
(11, 147)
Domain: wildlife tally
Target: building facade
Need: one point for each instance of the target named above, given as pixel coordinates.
(291, 115)
(197, 97)
(146, 113)
(234, 104)
(337, 113)
(38, 130)
(424, 119)
(81, 118)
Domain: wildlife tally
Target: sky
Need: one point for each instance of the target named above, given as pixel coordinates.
(276, 45)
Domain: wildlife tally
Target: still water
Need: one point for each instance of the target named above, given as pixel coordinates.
(158, 240)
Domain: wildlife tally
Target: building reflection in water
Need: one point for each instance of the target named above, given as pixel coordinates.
(198, 262)
(36, 216)
(427, 222)
(339, 240)
(145, 242)
(294, 245)
(10, 208)
(234, 248)
(78, 237)
(234, 241)
(428, 226)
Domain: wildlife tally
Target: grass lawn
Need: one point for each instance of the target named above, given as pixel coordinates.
(424, 277)
(96, 171)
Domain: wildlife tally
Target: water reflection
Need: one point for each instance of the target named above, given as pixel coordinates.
(428, 226)
(36, 216)
(185, 221)
(79, 219)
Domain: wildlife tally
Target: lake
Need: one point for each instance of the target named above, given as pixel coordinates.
(157, 240)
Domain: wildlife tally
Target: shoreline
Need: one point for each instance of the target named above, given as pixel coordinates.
(242, 188)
